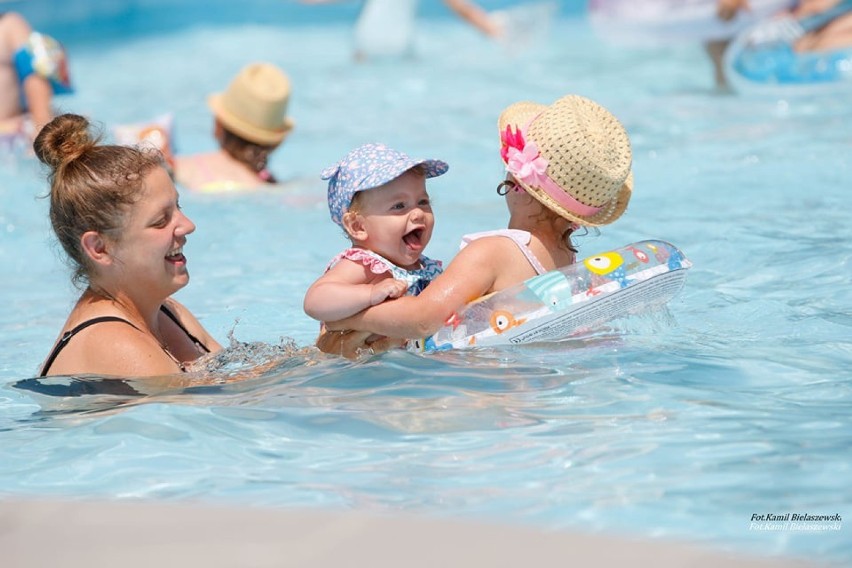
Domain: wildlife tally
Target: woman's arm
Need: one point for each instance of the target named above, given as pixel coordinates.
(471, 274)
(346, 290)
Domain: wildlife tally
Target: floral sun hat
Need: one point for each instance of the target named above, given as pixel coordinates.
(573, 156)
(367, 167)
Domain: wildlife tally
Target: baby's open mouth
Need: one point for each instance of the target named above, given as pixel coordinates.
(413, 238)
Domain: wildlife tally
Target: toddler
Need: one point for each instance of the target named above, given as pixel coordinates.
(568, 165)
(378, 196)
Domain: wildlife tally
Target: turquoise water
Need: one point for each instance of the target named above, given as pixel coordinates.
(679, 425)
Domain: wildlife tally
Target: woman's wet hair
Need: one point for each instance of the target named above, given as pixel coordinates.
(92, 185)
(254, 156)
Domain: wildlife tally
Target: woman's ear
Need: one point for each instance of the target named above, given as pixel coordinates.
(94, 246)
(353, 223)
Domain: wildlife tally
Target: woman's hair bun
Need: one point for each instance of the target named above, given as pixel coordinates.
(63, 140)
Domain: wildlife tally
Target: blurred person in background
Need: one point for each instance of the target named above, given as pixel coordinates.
(33, 68)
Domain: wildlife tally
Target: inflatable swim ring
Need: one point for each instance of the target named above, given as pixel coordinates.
(156, 133)
(556, 305)
(16, 137)
(761, 59)
(43, 55)
(669, 21)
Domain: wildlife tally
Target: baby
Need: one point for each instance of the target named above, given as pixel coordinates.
(378, 196)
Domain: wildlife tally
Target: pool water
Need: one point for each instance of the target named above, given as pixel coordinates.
(680, 424)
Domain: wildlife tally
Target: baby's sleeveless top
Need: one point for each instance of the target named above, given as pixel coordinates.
(417, 279)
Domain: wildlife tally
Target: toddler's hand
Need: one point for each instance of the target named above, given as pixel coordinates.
(387, 288)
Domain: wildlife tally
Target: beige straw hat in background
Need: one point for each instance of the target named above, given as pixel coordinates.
(254, 106)
(586, 150)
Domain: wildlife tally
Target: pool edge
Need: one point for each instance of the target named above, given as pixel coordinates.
(42, 532)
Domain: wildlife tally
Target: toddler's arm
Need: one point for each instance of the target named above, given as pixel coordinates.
(470, 275)
(346, 289)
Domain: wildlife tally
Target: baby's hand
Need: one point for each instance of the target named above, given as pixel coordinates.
(387, 288)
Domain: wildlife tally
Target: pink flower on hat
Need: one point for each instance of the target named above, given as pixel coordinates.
(510, 140)
(523, 159)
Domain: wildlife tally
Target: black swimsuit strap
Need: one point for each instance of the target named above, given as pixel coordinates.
(66, 337)
(174, 318)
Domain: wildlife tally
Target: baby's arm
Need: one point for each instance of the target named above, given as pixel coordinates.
(346, 289)
(470, 275)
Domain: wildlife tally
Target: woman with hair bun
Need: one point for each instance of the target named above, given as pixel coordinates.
(115, 211)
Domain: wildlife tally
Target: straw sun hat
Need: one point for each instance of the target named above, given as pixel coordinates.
(573, 156)
(254, 106)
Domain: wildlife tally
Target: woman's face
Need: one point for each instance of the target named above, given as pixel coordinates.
(149, 255)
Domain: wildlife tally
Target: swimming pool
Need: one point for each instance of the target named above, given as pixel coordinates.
(682, 424)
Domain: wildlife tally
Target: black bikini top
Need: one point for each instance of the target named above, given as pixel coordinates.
(66, 337)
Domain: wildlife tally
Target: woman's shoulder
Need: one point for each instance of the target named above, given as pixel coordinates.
(102, 345)
(497, 235)
(213, 172)
(189, 169)
(489, 252)
(493, 242)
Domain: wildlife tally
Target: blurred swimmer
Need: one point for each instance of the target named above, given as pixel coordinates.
(33, 68)
(386, 27)
(250, 123)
